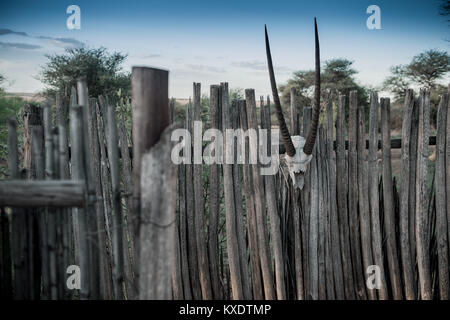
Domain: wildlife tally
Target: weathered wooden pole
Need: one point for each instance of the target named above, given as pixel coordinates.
(64, 174)
(447, 166)
(176, 263)
(91, 213)
(272, 211)
(388, 198)
(230, 203)
(257, 286)
(441, 201)
(32, 117)
(104, 259)
(200, 226)
(215, 117)
(355, 240)
(106, 184)
(182, 202)
(154, 185)
(50, 173)
(37, 147)
(18, 223)
(405, 215)
(329, 269)
(322, 217)
(264, 253)
(128, 245)
(313, 234)
(42, 193)
(374, 194)
(190, 207)
(334, 225)
(113, 157)
(414, 145)
(306, 209)
(342, 178)
(78, 173)
(422, 235)
(240, 227)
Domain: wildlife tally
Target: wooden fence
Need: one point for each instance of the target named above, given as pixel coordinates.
(140, 227)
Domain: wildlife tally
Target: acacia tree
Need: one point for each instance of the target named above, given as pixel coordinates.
(424, 70)
(397, 83)
(102, 69)
(336, 75)
(428, 67)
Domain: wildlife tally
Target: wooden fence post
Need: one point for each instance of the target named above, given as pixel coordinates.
(414, 141)
(422, 235)
(322, 219)
(334, 225)
(258, 291)
(342, 176)
(306, 209)
(237, 182)
(374, 194)
(106, 188)
(50, 173)
(447, 166)
(187, 294)
(113, 156)
(388, 198)
(150, 118)
(202, 253)
(405, 215)
(106, 291)
(363, 190)
(128, 245)
(64, 173)
(230, 203)
(190, 207)
(441, 201)
(272, 210)
(158, 198)
(176, 263)
(355, 240)
(329, 272)
(264, 252)
(19, 248)
(78, 173)
(215, 117)
(91, 213)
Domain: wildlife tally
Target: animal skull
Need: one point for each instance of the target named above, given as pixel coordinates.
(297, 164)
(298, 149)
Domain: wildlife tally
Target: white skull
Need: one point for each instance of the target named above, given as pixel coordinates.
(297, 164)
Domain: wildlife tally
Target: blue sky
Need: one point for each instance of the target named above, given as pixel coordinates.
(215, 41)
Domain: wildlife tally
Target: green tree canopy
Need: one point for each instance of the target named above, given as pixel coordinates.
(102, 69)
(424, 70)
(428, 67)
(336, 75)
(397, 83)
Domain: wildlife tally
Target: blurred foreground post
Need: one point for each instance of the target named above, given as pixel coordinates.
(154, 182)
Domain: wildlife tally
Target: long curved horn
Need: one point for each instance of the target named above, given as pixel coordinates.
(285, 136)
(312, 132)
